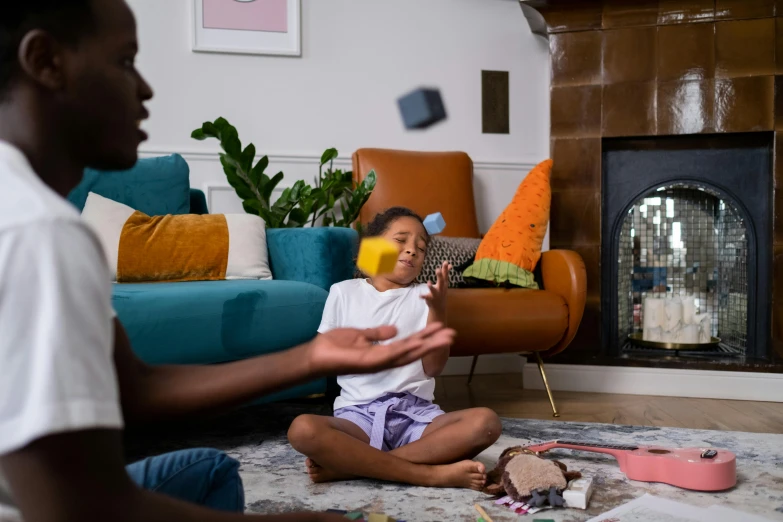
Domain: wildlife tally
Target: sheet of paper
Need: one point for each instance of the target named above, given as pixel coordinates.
(724, 514)
(648, 508)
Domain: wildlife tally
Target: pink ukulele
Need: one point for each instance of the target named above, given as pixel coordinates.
(700, 469)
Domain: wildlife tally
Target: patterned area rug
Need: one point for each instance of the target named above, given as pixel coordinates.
(275, 480)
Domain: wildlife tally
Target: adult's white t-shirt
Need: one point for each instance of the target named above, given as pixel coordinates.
(56, 321)
(357, 304)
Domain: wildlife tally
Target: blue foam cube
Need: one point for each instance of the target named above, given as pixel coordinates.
(421, 108)
(434, 223)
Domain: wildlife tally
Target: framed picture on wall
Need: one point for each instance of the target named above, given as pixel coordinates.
(271, 27)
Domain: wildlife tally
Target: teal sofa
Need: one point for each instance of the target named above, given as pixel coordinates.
(208, 322)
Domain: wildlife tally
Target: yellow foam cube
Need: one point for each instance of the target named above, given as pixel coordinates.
(378, 517)
(377, 256)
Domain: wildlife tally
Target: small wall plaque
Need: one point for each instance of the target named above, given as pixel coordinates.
(494, 102)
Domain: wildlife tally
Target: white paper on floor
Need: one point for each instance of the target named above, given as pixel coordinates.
(649, 508)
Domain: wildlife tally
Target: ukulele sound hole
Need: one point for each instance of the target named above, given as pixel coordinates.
(658, 451)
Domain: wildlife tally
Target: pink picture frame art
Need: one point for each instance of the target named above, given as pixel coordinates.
(267, 27)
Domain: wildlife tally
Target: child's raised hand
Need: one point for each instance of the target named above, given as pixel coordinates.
(436, 298)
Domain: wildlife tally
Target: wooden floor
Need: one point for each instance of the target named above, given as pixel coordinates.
(504, 394)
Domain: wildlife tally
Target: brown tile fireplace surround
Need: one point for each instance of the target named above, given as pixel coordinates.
(657, 71)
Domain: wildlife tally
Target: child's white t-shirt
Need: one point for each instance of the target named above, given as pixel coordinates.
(357, 304)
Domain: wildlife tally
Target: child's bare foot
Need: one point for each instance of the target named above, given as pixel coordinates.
(319, 474)
(465, 474)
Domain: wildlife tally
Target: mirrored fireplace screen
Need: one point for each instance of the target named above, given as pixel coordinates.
(685, 241)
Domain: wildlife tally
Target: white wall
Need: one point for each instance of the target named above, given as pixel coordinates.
(358, 56)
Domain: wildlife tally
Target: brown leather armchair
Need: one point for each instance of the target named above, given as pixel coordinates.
(487, 320)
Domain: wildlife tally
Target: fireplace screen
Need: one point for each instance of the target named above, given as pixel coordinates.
(685, 241)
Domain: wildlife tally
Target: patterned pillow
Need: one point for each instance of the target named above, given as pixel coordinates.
(459, 251)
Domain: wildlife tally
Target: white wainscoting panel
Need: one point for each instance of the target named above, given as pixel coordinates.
(494, 182)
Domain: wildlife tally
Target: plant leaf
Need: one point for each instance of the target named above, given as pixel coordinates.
(225, 159)
(267, 217)
(282, 201)
(210, 129)
(249, 208)
(240, 187)
(269, 186)
(370, 180)
(233, 147)
(257, 173)
(259, 180)
(297, 217)
(246, 160)
(198, 134)
(317, 194)
(328, 155)
(296, 190)
(221, 124)
(229, 140)
(235, 180)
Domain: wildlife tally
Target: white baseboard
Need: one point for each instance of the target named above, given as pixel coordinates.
(707, 384)
(487, 364)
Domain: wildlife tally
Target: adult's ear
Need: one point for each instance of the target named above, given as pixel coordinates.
(41, 59)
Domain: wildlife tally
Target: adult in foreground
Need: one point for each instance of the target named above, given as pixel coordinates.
(70, 98)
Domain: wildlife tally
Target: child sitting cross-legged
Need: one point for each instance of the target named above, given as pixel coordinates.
(385, 425)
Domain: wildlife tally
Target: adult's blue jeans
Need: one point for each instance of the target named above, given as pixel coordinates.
(202, 476)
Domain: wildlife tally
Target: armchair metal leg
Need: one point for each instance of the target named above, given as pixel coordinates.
(472, 368)
(524, 356)
(546, 385)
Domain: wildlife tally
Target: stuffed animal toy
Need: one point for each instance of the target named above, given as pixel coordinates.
(526, 477)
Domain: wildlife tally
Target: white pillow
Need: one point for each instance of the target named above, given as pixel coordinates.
(248, 257)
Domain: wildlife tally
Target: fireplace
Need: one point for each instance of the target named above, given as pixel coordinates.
(667, 140)
(688, 217)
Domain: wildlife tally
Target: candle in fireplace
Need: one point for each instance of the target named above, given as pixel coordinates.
(674, 320)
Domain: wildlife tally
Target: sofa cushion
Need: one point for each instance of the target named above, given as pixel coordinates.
(155, 186)
(217, 321)
(321, 256)
(496, 320)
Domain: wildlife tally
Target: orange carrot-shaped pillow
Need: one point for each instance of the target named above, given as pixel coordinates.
(511, 249)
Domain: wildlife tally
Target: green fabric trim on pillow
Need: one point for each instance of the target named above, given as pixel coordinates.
(500, 272)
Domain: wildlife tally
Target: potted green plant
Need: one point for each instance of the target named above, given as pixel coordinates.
(334, 201)
(335, 186)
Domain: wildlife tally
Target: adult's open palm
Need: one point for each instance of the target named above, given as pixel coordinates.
(348, 350)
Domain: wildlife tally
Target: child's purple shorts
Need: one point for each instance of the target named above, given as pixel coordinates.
(393, 420)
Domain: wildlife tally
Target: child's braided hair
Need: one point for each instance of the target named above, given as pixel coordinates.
(383, 220)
